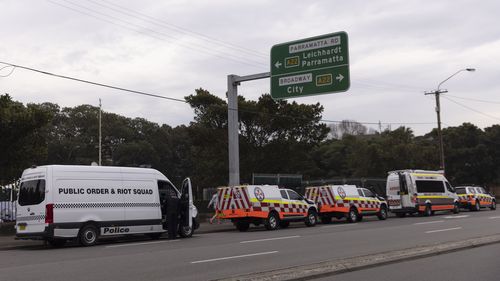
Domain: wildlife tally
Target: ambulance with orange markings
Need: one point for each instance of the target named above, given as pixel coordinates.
(349, 201)
(264, 204)
(475, 197)
(420, 191)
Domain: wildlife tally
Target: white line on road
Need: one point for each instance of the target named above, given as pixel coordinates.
(456, 217)
(235, 257)
(338, 225)
(142, 243)
(441, 230)
(270, 239)
(492, 218)
(427, 222)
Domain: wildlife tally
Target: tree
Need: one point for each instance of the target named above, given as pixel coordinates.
(22, 139)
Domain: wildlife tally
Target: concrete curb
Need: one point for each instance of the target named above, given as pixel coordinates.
(328, 268)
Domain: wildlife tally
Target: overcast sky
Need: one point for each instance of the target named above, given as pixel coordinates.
(397, 51)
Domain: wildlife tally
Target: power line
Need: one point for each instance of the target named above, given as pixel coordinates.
(159, 36)
(176, 28)
(11, 71)
(471, 109)
(184, 101)
(472, 99)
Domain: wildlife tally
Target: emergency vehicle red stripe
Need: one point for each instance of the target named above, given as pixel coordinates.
(245, 196)
(332, 198)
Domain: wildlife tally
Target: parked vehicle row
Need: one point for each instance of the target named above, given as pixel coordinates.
(408, 192)
(58, 203)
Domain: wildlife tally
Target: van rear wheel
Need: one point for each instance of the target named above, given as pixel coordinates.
(382, 214)
(88, 235)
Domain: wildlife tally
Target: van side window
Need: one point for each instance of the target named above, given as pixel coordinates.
(32, 192)
(294, 195)
(368, 193)
(429, 186)
(449, 187)
(360, 192)
(283, 194)
(166, 189)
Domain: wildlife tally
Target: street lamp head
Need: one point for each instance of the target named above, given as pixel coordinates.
(470, 69)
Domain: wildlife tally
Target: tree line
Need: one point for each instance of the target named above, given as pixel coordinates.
(276, 136)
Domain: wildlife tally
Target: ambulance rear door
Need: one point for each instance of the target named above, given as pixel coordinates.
(187, 204)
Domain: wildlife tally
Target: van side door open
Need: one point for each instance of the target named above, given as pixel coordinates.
(186, 213)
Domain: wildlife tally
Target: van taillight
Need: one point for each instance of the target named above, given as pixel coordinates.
(49, 213)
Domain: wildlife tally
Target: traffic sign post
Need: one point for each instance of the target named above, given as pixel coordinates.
(312, 66)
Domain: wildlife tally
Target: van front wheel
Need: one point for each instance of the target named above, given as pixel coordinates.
(272, 221)
(88, 235)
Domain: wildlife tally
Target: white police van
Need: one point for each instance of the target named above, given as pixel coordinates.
(57, 203)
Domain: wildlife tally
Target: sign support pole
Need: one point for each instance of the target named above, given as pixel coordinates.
(233, 125)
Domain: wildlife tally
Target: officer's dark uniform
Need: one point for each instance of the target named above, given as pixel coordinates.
(172, 216)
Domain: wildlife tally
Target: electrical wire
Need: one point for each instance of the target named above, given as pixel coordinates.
(472, 109)
(472, 99)
(241, 109)
(176, 28)
(11, 71)
(159, 35)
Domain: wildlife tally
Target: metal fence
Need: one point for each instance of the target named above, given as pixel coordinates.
(8, 197)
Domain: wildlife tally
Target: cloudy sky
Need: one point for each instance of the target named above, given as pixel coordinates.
(397, 50)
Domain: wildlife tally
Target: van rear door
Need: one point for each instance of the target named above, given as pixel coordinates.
(187, 204)
(405, 191)
(32, 210)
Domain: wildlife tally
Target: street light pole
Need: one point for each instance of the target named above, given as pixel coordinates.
(437, 93)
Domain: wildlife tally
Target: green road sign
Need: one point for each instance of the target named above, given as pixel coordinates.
(312, 66)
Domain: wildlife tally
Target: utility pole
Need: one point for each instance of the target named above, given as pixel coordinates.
(440, 136)
(437, 93)
(100, 134)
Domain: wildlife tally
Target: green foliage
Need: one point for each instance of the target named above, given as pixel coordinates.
(275, 137)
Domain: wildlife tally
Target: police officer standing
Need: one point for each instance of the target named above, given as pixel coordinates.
(172, 215)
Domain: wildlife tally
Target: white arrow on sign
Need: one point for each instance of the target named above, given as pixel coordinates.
(339, 77)
(278, 64)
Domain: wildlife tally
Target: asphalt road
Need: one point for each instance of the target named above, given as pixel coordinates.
(216, 255)
(472, 264)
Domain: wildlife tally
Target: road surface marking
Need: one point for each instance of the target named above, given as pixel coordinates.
(270, 239)
(142, 243)
(235, 257)
(456, 217)
(492, 218)
(441, 230)
(427, 222)
(338, 225)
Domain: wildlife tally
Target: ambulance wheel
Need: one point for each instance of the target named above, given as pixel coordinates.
(493, 205)
(272, 221)
(382, 214)
(456, 208)
(428, 211)
(185, 231)
(326, 219)
(88, 235)
(400, 215)
(284, 224)
(242, 226)
(57, 243)
(352, 216)
(311, 218)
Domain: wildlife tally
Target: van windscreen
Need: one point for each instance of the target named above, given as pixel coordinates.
(32, 192)
(424, 186)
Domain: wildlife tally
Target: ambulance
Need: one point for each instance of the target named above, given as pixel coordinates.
(420, 191)
(349, 201)
(264, 204)
(474, 198)
(57, 203)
